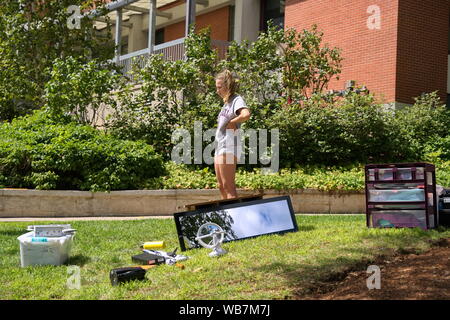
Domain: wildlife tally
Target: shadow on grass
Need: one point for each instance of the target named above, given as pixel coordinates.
(12, 232)
(78, 260)
(306, 228)
(305, 279)
(322, 273)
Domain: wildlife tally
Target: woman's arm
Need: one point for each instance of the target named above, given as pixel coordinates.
(243, 116)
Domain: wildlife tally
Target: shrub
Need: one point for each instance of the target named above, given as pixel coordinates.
(438, 150)
(80, 90)
(368, 131)
(37, 153)
(354, 129)
(323, 178)
(424, 126)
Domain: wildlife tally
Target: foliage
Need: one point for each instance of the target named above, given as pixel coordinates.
(175, 94)
(424, 126)
(283, 64)
(36, 152)
(308, 64)
(353, 129)
(33, 34)
(333, 178)
(81, 90)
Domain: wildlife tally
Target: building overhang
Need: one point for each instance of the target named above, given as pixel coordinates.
(167, 11)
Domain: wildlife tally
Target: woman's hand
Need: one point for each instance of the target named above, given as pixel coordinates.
(243, 115)
(231, 125)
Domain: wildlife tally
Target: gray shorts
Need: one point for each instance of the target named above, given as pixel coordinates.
(236, 150)
(231, 144)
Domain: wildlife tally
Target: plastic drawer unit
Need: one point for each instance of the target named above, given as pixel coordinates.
(401, 195)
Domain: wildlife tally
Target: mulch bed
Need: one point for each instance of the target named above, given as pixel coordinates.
(410, 276)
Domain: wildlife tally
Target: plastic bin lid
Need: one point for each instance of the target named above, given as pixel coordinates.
(50, 230)
(29, 237)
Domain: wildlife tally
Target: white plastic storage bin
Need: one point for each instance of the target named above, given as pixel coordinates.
(39, 250)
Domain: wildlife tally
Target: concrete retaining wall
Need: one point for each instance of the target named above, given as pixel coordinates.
(39, 203)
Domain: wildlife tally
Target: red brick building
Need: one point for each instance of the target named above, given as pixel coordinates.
(214, 19)
(397, 48)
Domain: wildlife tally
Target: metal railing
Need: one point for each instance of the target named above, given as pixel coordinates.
(171, 51)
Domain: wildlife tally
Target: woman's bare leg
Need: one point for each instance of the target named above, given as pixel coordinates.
(217, 159)
(227, 172)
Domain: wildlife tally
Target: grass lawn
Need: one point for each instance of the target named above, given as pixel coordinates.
(267, 267)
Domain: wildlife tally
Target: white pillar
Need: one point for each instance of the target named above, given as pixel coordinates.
(190, 15)
(151, 25)
(136, 37)
(246, 19)
(118, 34)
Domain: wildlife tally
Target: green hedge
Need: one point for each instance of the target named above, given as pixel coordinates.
(324, 178)
(37, 153)
(345, 132)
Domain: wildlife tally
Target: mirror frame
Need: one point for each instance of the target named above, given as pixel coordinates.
(179, 215)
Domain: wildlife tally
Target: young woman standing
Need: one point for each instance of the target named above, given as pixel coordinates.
(228, 141)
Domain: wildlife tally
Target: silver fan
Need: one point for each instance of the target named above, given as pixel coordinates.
(211, 236)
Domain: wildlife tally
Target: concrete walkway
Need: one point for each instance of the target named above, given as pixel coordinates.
(81, 218)
(24, 219)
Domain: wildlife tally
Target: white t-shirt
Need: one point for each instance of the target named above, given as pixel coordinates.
(224, 139)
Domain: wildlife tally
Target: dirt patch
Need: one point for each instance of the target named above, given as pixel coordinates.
(408, 276)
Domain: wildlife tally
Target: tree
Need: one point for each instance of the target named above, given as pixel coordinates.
(81, 90)
(284, 63)
(33, 34)
(279, 66)
(308, 64)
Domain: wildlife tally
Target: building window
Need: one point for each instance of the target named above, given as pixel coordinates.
(272, 10)
(448, 68)
(231, 24)
(159, 37)
(124, 46)
(448, 37)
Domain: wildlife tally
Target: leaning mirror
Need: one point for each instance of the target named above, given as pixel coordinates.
(238, 221)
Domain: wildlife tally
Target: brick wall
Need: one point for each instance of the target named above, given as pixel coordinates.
(402, 59)
(369, 55)
(217, 20)
(422, 48)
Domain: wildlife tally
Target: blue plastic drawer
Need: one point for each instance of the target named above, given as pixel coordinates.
(397, 195)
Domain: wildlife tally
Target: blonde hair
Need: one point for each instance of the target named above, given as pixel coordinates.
(231, 83)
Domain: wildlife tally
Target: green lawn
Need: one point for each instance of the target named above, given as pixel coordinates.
(267, 267)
